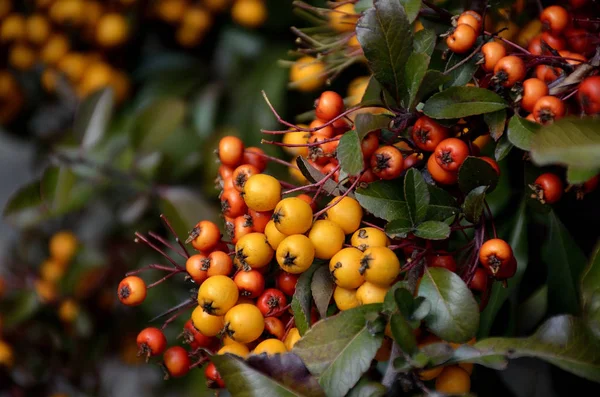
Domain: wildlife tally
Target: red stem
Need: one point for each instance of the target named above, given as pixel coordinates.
(154, 284)
(154, 247)
(150, 267)
(166, 221)
(276, 160)
(354, 184)
(167, 244)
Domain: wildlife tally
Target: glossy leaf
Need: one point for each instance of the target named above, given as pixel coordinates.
(403, 333)
(563, 340)
(590, 293)
(454, 314)
(367, 388)
(184, 207)
(432, 230)
(414, 72)
(432, 82)
(517, 238)
(302, 299)
(473, 205)
(24, 306)
(503, 148)
(23, 206)
(158, 121)
(521, 132)
(496, 122)
(412, 8)
(416, 195)
(424, 41)
(385, 34)
(246, 381)
(349, 153)
(399, 228)
(566, 263)
(321, 287)
(340, 361)
(384, 200)
(475, 172)
(314, 175)
(573, 142)
(93, 117)
(581, 175)
(373, 94)
(457, 102)
(462, 74)
(368, 122)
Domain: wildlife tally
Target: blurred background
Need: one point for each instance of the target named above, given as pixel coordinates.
(110, 112)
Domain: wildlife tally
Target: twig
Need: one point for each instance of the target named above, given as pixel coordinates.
(154, 247)
(167, 244)
(154, 284)
(276, 160)
(166, 221)
(462, 62)
(335, 202)
(149, 267)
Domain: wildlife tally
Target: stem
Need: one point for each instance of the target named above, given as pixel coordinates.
(199, 362)
(440, 11)
(373, 225)
(276, 160)
(154, 284)
(317, 184)
(471, 55)
(168, 224)
(354, 184)
(312, 144)
(149, 267)
(177, 314)
(518, 47)
(167, 244)
(154, 247)
(487, 207)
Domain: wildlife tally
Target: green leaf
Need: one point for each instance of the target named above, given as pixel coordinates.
(433, 230)
(399, 228)
(93, 117)
(349, 153)
(321, 287)
(368, 122)
(184, 208)
(581, 175)
(532, 311)
(457, 102)
(205, 107)
(496, 122)
(302, 299)
(157, 121)
(314, 175)
(24, 306)
(454, 314)
(565, 263)
(469, 354)
(431, 83)
(462, 74)
(414, 72)
(367, 388)
(24, 206)
(412, 8)
(416, 195)
(56, 186)
(517, 238)
(424, 41)
(403, 333)
(503, 148)
(473, 205)
(574, 142)
(383, 199)
(244, 381)
(440, 197)
(385, 34)
(590, 293)
(563, 340)
(339, 349)
(389, 302)
(521, 132)
(475, 172)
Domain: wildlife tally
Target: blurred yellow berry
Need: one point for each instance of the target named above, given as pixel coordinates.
(528, 32)
(52, 270)
(356, 89)
(7, 358)
(120, 84)
(68, 12)
(307, 74)
(73, 66)
(68, 310)
(92, 12)
(343, 18)
(55, 48)
(62, 246)
(189, 36)
(98, 75)
(22, 57)
(5, 7)
(48, 80)
(38, 29)
(2, 287)
(198, 18)
(171, 11)
(249, 13)
(13, 28)
(112, 30)
(46, 291)
(216, 5)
